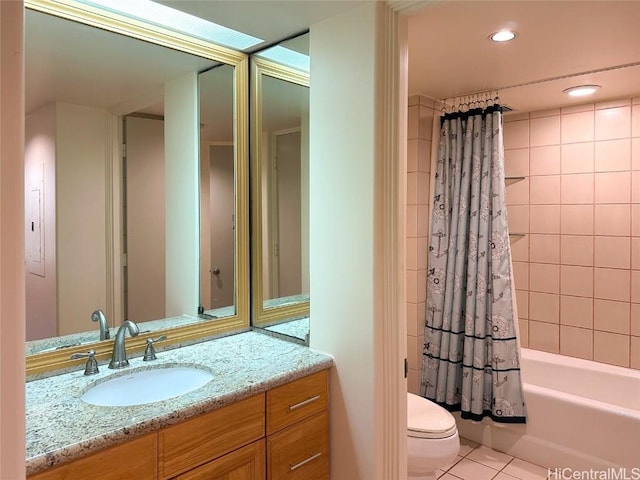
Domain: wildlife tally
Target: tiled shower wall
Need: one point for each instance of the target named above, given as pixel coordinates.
(420, 124)
(577, 267)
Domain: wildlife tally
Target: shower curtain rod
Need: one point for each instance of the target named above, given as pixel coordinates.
(535, 82)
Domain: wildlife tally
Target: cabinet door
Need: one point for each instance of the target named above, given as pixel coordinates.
(246, 463)
(300, 452)
(297, 400)
(197, 441)
(135, 459)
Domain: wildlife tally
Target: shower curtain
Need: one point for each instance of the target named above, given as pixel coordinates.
(470, 358)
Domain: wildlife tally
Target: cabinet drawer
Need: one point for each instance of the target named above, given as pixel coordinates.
(246, 463)
(300, 452)
(297, 400)
(197, 441)
(134, 459)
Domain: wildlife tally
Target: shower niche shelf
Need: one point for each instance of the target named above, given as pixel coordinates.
(511, 180)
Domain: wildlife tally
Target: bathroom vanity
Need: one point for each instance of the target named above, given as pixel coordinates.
(263, 416)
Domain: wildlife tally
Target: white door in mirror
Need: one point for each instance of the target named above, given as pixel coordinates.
(146, 386)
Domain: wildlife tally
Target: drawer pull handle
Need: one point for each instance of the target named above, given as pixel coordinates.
(304, 462)
(302, 404)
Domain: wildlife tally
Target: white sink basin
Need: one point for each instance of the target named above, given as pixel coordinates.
(146, 386)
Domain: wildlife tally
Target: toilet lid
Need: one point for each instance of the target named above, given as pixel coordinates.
(426, 419)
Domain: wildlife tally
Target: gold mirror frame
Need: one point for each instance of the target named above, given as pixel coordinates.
(113, 22)
(261, 316)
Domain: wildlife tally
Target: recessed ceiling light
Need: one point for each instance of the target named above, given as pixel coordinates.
(502, 36)
(581, 90)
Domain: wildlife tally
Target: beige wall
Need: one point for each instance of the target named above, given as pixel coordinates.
(577, 270)
(40, 164)
(12, 286)
(420, 125)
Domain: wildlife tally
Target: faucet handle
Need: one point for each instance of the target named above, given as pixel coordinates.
(91, 367)
(150, 351)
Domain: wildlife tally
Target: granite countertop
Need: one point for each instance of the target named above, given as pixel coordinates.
(61, 427)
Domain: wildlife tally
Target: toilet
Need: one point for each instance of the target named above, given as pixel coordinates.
(432, 438)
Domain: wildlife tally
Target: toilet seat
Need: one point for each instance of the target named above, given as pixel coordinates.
(426, 419)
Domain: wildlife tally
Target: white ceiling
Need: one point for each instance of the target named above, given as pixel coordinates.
(449, 53)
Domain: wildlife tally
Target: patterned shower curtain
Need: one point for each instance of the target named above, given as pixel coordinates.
(471, 360)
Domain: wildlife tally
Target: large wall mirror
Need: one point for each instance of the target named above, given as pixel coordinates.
(280, 188)
(136, 183)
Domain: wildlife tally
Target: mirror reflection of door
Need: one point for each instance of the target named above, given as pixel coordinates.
(286, 216)
(144, 209)
(221, 181)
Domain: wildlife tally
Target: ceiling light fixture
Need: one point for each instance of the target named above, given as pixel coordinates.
(502, 36)
(581, 90)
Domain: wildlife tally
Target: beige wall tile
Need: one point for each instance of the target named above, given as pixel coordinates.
(422, 256)
(413, 381)
(412, 188)
(412, 220)
(518, 218)
(412, 253)
(544, 307)
(576, 281)
(635, 286)
(544, 219)
(413, 357)
(577, 157)
(544, 190)
(577, 219)
(613, 155)
(421, 312)
(523, 332)
(412, 155)
(577, 188)
(412, 319)
(516, 162)
(421, 279)
(635, 220)
(544, 160)
(635, 121)
(519, 248)
(412, 286)
(521, 275)
(422, 221)
(553, 112)
(612, 220)
(620, 102)
(516, 134)
(611, 348)
(544, 278)
(576, 250)
(612, 284)
(515, 116)
(610, 316)
(544, 336)
(586, 107)
(522, 301)
(635, 154)
(413, 122)
(635, 319)
(635, 253)
(518, 192)
(424, 155)
(425, 125)
(544, 248)
(544, 131)
(635, 353)
(576, 342)
(576, 311)
(613, 123)
(422, 187)
(614, 187)
(635, 187)
(577, 127)
(613, 252)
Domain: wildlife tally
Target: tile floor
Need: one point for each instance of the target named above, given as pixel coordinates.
(477, 462)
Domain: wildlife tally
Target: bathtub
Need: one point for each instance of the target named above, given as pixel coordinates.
(580, 415)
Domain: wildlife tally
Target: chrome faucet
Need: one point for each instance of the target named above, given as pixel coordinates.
(98, 316)
(119, 355)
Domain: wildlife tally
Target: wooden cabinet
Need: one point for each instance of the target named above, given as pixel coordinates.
(209, 436)
(280, 435)
(134, 459)
(298, 430)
